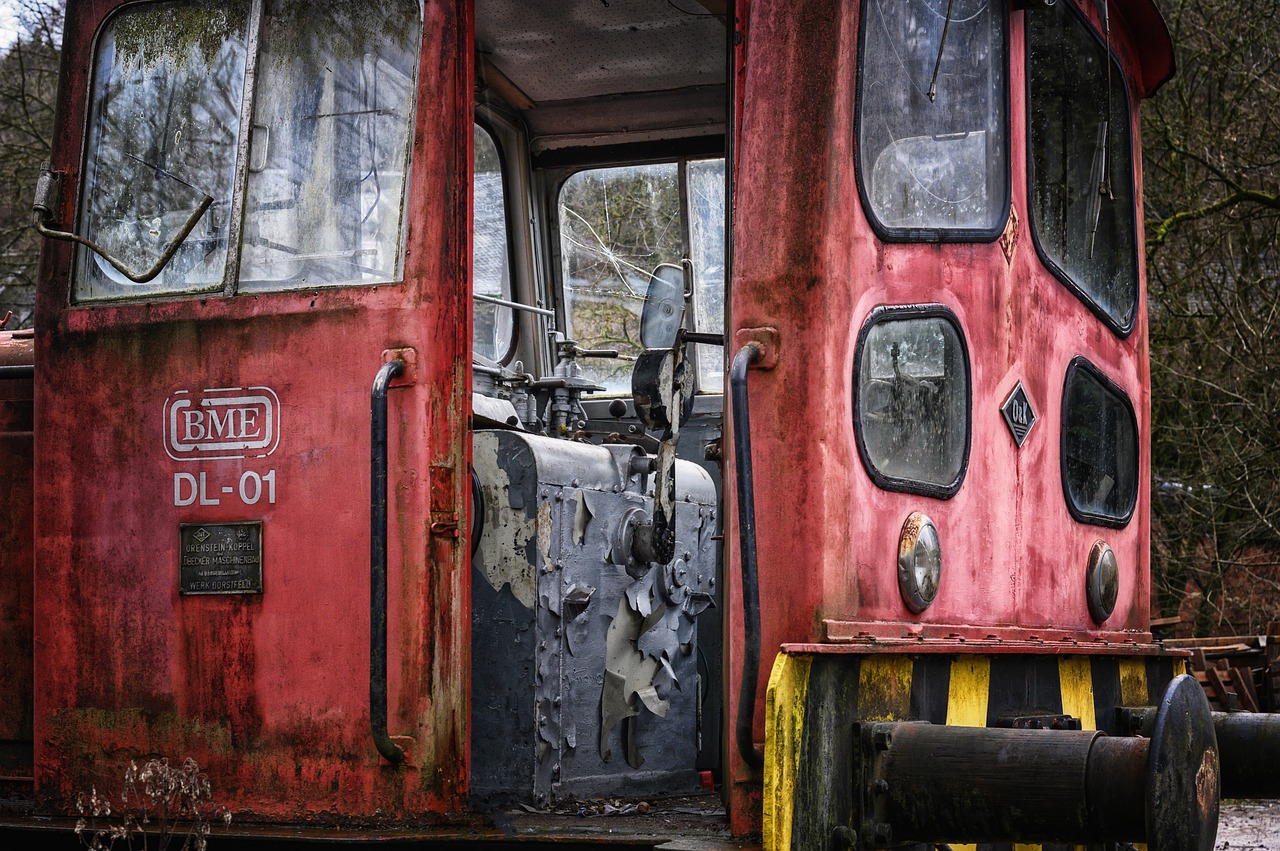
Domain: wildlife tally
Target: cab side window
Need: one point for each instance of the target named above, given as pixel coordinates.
(318, 198)
(1081, 165)
(164, 119)
(329, 146)
(493, 330)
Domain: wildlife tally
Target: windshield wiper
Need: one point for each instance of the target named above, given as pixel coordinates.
(1099, 182)
(1099, 174)
(937, 63)
(48, 201)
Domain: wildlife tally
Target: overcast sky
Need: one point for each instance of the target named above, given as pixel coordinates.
(8, 26)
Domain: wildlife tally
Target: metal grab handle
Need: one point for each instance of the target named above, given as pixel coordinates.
(745, 724)
(47, 191)
(378, 564)
(137, 277)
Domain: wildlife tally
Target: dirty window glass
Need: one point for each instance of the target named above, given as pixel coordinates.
(616, 226)
(912, 399)
(1082, 208)
(932, 116)
(329, 145)
(1099, 448)
(164, 115)
(490, 264)
(705, 189)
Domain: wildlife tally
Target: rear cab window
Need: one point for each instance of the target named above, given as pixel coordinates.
(616, 226)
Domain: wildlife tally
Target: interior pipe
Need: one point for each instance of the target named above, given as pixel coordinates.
(746, 356)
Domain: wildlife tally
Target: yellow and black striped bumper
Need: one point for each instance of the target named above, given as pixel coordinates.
(815, 700)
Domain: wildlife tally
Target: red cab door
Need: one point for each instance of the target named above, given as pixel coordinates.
(204, 436)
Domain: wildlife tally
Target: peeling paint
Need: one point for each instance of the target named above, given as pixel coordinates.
(503, 547)
(604, 651)
(581, 518)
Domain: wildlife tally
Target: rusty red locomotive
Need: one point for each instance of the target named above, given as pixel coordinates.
(444, 405)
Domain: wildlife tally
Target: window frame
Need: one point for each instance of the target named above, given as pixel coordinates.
(1082, 363)
(1121, 331)
(555, 185)
(230, 285)
(935, 235)
(896, 313)
(509, 223)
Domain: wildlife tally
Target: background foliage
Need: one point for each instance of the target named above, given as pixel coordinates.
(28, 88)
(1211, 144)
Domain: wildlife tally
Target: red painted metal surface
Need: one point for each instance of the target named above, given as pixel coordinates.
(268, 691)
(1151, 44)
(17, 459)
(808, 265)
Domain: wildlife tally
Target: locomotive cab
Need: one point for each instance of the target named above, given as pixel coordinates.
(443, 406)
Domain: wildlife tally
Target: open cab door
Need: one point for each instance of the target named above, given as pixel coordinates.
(269, 202)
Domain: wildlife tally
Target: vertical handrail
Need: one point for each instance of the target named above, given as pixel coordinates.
(378, 564)
(746, 356)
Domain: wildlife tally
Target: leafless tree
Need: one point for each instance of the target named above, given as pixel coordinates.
(1212, 159)
(28, 87)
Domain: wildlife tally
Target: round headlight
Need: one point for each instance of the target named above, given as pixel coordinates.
(1102, 582)
(919, 562)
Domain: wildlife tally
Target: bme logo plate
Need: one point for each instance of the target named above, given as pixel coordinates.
(225, 422)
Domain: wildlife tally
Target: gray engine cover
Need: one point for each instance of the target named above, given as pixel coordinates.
(585, 676)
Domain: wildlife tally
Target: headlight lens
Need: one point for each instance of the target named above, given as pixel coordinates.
(1102, 582)
(919, 562)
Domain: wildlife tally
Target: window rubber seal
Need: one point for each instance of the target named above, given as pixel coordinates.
(1081, 363)
(894, 313)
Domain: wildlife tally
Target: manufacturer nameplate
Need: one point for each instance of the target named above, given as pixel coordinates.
(1019, 416)
(220, 558)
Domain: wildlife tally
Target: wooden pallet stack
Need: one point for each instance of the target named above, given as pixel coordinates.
(1238, 672)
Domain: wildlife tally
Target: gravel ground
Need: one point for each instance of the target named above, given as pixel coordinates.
(1249, 826)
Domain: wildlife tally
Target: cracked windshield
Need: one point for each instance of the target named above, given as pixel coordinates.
(616, 226)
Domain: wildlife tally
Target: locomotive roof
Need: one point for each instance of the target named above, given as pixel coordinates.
(577, 70)
(1151, 43)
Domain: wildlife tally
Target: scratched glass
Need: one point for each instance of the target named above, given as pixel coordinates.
(912, 399)
(164, 116)
(1099, 448)
(492, 324)
(1081, 166)
(933, 149)
(616, 226)
(329, 144)
(704, 181)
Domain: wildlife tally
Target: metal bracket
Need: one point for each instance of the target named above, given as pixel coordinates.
(766, 339)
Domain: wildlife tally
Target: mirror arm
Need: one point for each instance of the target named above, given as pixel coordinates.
(704, 337)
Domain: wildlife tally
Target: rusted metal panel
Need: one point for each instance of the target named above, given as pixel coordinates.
(17, 527)
(268, 691)
(586, 658)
